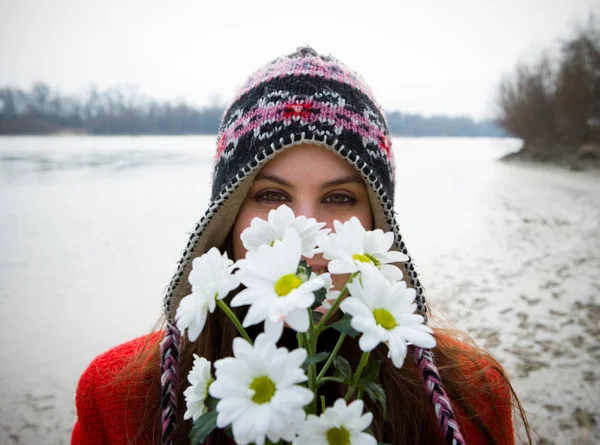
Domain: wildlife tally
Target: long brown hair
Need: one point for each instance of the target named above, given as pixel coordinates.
(472, 378)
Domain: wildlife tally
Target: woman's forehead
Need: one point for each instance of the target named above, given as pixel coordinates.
(310, 160)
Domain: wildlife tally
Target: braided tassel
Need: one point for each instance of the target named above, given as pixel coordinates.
(169, 354)
(438, 397)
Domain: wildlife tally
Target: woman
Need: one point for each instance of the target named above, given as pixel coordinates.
(303, 131)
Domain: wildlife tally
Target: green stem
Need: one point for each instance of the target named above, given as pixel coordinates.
(235, 320)
(311, 323)
(300, 339)
(334, 306)
(312, 371)
(331, 357)
(363, 362)
(323, 404)
(330, 379)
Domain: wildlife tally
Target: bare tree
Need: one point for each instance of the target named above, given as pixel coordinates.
(554, 105)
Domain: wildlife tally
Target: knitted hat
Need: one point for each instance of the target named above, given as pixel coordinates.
(301, 98)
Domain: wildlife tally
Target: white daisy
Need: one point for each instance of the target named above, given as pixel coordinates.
(384, 313)
(339, 425)
(258, 391)
(211, 279)
(280, 220)
(195, 395)
(273, 288)
(352, 245)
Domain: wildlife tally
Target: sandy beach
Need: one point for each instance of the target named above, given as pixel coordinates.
(529, 290)
(508, 253)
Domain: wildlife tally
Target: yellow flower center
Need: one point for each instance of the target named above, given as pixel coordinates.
(263, 388)
(286, 284)
(384, 319)
(338, 436)
(366, 258)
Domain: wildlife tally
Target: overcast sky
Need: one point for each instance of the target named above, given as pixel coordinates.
(425, 56)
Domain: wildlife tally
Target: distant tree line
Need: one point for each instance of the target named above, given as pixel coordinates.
(114, 111)
(553, 104)
(42, 110)
(402, 124)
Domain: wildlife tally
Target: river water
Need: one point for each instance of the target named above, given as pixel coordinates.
(91, 229)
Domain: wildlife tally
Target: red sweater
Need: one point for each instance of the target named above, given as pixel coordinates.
(109, 413)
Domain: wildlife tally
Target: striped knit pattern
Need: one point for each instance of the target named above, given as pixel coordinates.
(308, 64)
(437, 395)
(169, 351)
(302, 98)
(319, 108)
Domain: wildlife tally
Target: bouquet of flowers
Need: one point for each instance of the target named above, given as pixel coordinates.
(266, 393)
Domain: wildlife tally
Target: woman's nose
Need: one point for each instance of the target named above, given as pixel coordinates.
(307, 209)
(311, 208)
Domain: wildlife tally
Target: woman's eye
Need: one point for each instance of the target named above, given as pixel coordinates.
(271, 196)
(340, 199)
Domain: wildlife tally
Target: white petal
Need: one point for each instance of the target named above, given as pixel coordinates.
(391, 273)
(324, 242)
(339, 267)
(377, 241)
(298, 320)
(230, 409)
(397, 351)
(356, 290)
(363, 324)
(295, 359)
(259, 233)
(355, 307)
(248, 296)
(281, 219)
(363, 439)
(273, 330)
(229, 283)
(257, 313)
(411, 320)
(240, 346)
(290, 252)
(355, 410)
(416, 337)
(251, 278)
(363, 422)
(392, 256)
(369, 340)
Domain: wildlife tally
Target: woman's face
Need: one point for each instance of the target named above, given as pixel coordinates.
(312, 181)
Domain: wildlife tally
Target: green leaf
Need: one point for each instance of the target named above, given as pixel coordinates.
(342, 367)
(316, 316)
(319, 297)
(211, 403)
(317, 358)
(371, 371)
(345, 327)
(205, 425)
(375, 392)
(229, 431)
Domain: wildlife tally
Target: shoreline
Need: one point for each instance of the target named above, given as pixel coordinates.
(573, 162)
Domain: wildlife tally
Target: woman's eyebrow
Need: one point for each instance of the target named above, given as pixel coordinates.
(273, 178)
(351, 179)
